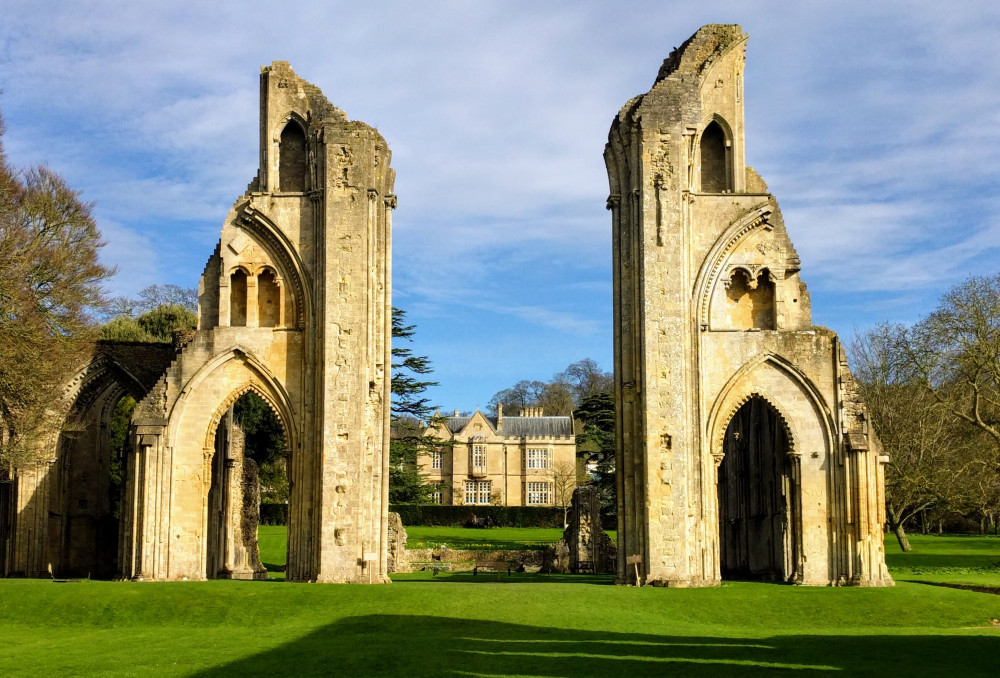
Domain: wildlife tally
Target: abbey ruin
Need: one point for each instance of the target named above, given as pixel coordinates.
(743, 449)
(293, 305)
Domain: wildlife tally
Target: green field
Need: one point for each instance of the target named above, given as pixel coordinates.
(954, 559)
(524, 625)
(492, 539)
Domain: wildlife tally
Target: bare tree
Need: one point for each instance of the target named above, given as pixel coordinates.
(559, 396)
(955, 353)
(934, 454)
(563, 484)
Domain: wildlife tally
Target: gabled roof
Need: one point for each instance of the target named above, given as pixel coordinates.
(514, 427)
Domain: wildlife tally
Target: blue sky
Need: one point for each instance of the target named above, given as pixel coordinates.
(874, 123)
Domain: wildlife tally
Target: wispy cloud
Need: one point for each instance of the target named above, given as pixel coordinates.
(875, 124)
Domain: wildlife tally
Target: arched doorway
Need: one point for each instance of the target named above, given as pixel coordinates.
(84, 504)
(757, 492)
(248, 466)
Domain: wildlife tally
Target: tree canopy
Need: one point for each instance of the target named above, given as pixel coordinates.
(161, 308)
(50, 287)
(933, 393)
(560, 395)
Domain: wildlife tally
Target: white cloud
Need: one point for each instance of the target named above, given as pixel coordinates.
(873, 123)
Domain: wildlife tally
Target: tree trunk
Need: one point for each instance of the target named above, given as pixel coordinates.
(904, 542)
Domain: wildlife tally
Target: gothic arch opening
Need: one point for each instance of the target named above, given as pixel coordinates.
(757, 494)
(85, 502)
(238, 298)
(292, 159)
(268, 299)
(714, 170)
(248, 471)
(750, 301)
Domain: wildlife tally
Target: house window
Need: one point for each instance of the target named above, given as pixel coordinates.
(479, 456)
(477, 491)
(436, 496)
(436, 459)
(538, 458)
(538, 493)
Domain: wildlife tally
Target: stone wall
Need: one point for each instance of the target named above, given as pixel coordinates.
(397, 556)
(294, 304)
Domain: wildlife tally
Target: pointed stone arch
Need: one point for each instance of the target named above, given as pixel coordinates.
(715, 151)
(713, 266)
(262, 381)
(239, 392)
(287, 261)
(293, 155)
(740, 388)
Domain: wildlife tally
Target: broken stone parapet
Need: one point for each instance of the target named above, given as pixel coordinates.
(585, 546)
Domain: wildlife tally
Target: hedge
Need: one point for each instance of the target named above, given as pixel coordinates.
(457, 516)
(274, 514)
(448, 516)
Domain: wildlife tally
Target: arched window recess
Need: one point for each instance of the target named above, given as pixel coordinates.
(716, 158)
(292, 158)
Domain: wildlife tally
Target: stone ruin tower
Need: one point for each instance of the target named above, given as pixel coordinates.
(294, 305)
(743, 448)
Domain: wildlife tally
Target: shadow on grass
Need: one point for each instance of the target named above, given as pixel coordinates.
(414, 646)
(978, 588)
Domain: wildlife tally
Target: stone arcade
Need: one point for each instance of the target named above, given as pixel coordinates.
(743, 449)
(294, 305)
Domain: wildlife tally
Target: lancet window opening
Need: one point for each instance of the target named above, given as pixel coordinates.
(716, 165)
(292, 159)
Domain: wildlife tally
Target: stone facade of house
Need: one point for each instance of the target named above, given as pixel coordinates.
(743, 449)
(523, 460)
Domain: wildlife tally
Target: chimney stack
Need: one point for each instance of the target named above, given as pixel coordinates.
(499, 417)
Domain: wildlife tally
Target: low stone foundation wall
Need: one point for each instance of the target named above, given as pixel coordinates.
(459, 560)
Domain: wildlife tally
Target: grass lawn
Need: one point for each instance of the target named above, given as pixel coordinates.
(273, 543)
(524, 625)
(970, 560)
(492, 539)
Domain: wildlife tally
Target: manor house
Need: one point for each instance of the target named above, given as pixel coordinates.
(523, 460)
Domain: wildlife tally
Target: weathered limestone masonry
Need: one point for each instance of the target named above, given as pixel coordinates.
(294, 305)
(585, 546)
(744, 449)
(56, 517)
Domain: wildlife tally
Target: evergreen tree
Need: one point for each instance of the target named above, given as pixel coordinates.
(596, 443)
(410, 411)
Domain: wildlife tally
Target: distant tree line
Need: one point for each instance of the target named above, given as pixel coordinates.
(933, 395)
(151, 316)
(586, 392)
